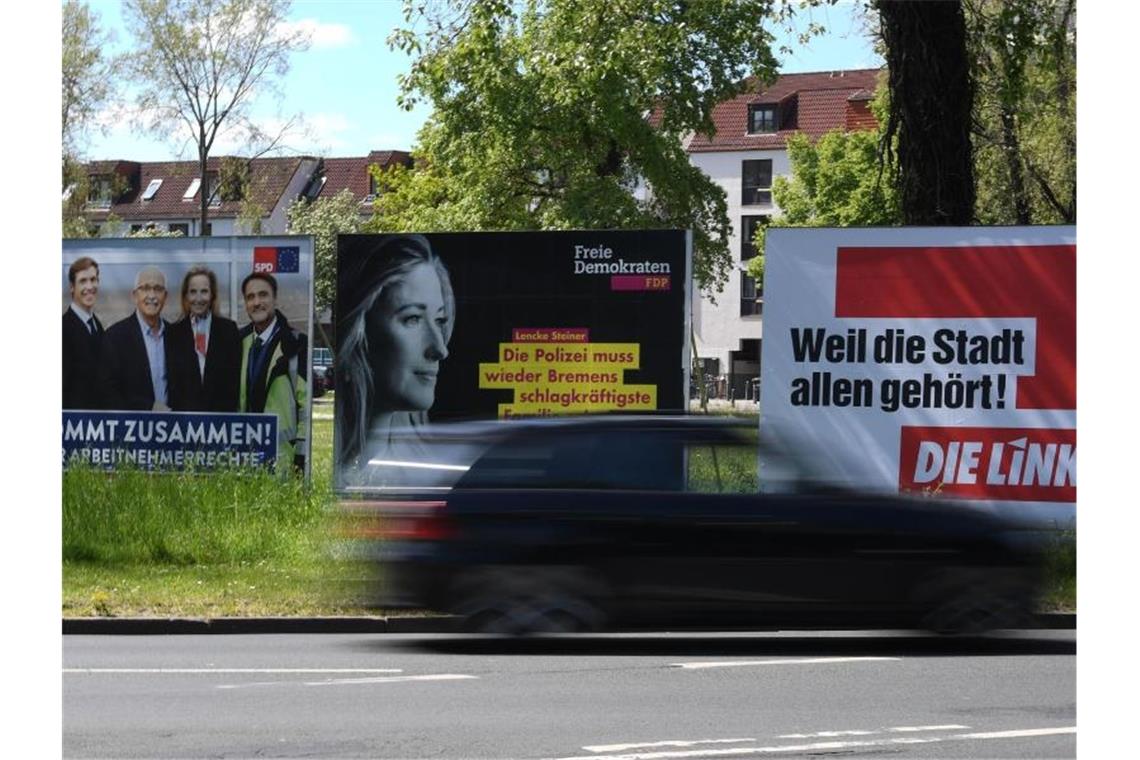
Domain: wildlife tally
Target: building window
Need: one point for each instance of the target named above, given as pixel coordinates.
(179, 227)
(748, 227)
(100, 195)
(193, 189)
(313, 189)
(213, 191)
(756, 181)
(751, 297)
(373, 187)
(151, 189)
(761, 118)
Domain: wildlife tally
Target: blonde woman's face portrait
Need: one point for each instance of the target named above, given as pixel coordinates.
(406, 331)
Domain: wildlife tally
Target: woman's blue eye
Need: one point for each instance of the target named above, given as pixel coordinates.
(412, 319)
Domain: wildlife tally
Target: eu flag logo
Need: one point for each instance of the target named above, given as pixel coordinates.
(281, 259)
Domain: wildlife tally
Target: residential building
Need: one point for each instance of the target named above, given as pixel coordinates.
(126, 196)
(747, 151)
(336, 174)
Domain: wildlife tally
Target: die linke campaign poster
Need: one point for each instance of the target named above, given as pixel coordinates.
(444, 327)
(935, 361)
(159, 366)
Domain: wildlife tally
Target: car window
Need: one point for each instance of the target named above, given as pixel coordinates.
(594, 459)
(716, 467)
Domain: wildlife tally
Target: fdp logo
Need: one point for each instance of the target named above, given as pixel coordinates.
(276, 259)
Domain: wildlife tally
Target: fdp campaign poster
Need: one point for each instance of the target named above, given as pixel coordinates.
(187, 352)
(465, 326)
(927, 360)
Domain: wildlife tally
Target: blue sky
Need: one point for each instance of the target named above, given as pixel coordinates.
(345, 86)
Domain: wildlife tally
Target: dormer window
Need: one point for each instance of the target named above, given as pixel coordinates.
(192, 190)
(373, 188)
(212, 191)
(313, 189)
(100, 196)
(761, 118)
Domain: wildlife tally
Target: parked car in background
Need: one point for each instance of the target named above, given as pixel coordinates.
(322, 369)
(616, 522)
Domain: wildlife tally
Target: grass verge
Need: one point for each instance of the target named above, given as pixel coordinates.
(248, 544)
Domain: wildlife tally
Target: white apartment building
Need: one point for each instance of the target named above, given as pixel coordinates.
(745, 154)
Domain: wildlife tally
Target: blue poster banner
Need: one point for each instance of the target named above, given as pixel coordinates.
(169, 440)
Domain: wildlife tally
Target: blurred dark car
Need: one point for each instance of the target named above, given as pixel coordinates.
(614, 522)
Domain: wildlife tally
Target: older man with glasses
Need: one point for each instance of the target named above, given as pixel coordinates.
(136, 353)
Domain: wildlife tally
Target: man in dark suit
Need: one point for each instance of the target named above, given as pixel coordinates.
(82, 337)
(205, 349)
(275, 369)
(136, 352)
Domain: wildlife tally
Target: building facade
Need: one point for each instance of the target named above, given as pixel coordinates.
(246, 196)
(745, 154)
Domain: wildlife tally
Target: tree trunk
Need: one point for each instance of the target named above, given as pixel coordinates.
(203, 198)
(931, 104)
(1011, 147)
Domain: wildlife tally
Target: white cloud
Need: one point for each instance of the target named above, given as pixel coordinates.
(322, 35)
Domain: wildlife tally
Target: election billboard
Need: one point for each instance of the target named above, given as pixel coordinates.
(936, 361)
(187, 353)
(444, 327)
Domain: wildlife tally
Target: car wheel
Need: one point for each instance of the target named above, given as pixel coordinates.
(518, 601)
(975, 605)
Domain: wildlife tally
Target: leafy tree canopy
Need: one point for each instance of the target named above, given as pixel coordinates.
(324, 219)
(89, 74)
(1023, 55)
(834, 182)
(557, 114)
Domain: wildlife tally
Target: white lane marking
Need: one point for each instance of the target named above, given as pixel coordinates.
(230, 670)
(821, 746)
(351, 681)
(807, 661)
(1018, 734)
(393, 679)
(860, 732)
(669, 743)
(826, 734)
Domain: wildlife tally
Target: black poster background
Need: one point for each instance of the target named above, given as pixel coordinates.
(508, 280)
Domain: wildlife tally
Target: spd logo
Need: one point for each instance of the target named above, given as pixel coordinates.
(276, 259)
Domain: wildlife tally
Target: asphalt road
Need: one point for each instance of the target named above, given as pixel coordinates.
(652, 697)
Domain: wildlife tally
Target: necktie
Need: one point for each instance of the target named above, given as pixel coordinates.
(199, 339)
(91, 325)
(254, 360)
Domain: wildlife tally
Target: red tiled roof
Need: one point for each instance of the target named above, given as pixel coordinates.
(352, 173)
(821, 106)
(269, 178)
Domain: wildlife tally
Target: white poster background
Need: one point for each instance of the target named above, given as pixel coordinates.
(859, 446)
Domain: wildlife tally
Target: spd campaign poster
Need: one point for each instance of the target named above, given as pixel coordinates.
(444, 327)
(162, 366)
(934, 361)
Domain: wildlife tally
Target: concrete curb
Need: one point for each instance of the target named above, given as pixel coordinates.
(399, 624)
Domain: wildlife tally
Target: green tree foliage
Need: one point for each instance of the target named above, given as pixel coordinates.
(89, 76)
(542, 115)
(834, 182)
(324, 219)
(1024, 61)
(201, 63)
(89, 73)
